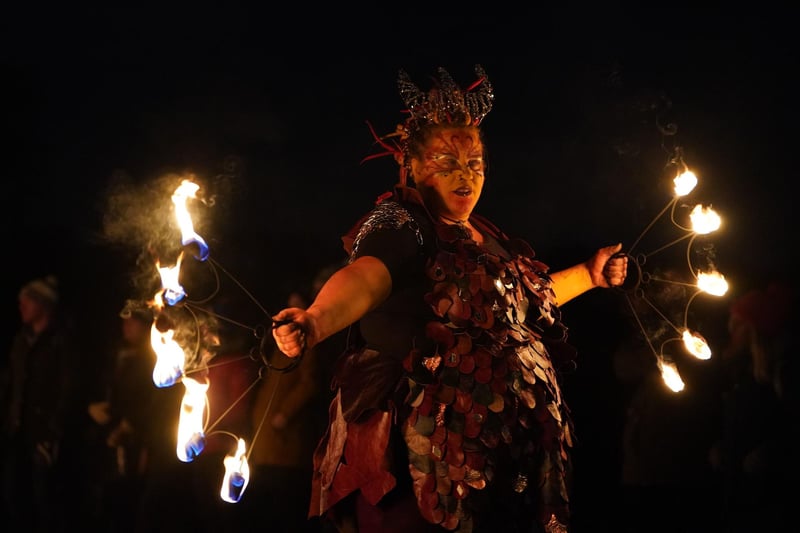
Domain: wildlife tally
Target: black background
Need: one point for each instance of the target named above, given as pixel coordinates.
(268, 109)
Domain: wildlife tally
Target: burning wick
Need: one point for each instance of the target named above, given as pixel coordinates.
(186, 190)
(237, 474)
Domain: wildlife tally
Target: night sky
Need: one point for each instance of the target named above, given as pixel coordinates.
(270, 112)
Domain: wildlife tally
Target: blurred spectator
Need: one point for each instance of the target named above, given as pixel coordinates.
(290, 417)
(168, 500)
(666, 480)
(125, 415)
(165, 502)
(39, 397)
(756, 455)
(232, 376)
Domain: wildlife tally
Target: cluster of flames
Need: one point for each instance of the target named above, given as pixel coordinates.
(171, 359)
(704, 220)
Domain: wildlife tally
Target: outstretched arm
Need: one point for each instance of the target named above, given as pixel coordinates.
(348, 294)
(603, 269)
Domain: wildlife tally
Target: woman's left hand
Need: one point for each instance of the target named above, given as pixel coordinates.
(608, 266)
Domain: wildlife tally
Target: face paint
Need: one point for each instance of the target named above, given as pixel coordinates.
(450, 173)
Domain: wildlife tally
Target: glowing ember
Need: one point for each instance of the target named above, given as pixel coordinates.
(704, 220)
(237, 475)
(696, 345)
(670, 375)
(685, 183)
(712, 282)
(191, 435)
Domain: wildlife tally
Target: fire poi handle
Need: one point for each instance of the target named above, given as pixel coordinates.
(630, 282)
(294, 362)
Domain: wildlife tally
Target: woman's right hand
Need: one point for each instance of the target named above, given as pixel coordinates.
(348, 294)
(292, 330)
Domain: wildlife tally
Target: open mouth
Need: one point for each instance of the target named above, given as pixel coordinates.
(464, 191)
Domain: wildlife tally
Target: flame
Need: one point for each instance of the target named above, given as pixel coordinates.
(171, 288)
(704, 220)
(670, 375)
(237, 475)
(696, 345)
(188, 189)
(170, 357)
(191, 436)
(712, 282)
(685, 182)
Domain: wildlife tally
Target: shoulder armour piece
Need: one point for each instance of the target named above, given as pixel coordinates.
(387, 214)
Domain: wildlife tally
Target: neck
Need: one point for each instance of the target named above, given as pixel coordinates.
(454, 220)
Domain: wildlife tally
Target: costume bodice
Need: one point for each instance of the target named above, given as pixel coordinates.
(481, 377)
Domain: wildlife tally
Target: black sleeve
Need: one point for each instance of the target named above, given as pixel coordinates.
(398, 249)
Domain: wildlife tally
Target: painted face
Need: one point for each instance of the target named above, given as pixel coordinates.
(449, 174)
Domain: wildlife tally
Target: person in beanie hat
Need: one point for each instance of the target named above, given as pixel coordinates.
(38, 398)
(37, 302)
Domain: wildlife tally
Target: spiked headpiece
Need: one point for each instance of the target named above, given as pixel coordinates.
(445, 104)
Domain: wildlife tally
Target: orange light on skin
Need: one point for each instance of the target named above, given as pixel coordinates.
(237, 474)
(191, 435)
(696, 345)
(670, 375)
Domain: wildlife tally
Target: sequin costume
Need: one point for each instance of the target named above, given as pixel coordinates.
(459, 368)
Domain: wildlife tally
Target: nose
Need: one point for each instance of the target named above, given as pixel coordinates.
(464, 171)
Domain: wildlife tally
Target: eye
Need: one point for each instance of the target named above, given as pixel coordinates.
(476, 164)
(445, 161)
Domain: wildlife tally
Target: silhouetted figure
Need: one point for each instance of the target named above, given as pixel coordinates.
(667, 484)
(125, 416)
(232, 375)
(166, 488)
(756, 453)
(289, 417)
(40, 399)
